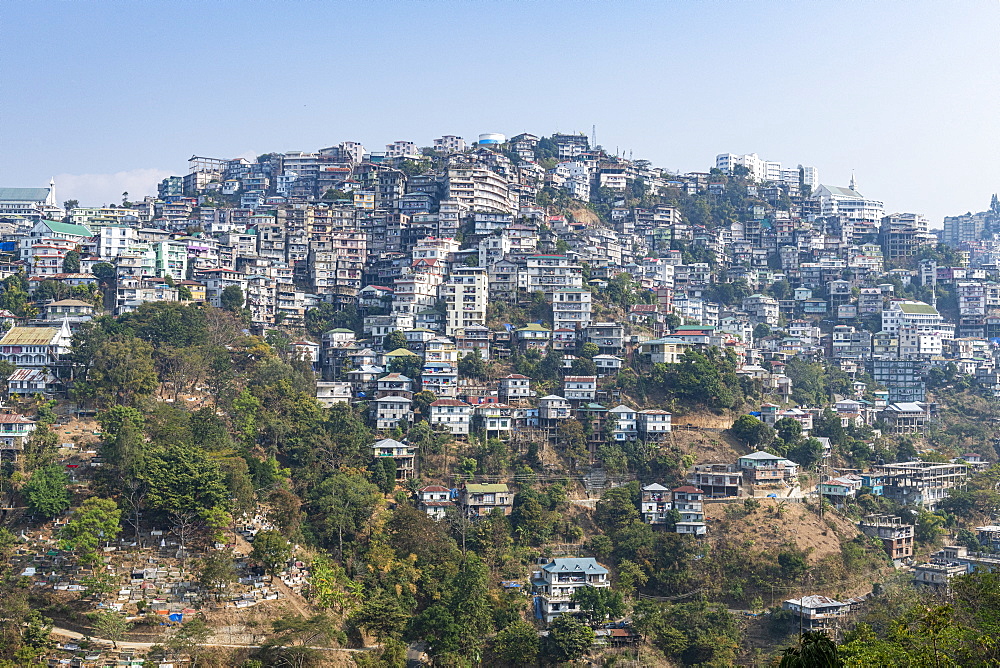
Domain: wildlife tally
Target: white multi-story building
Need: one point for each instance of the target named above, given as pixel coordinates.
(449, 144)
(906, 313)
(580, 388)
(571, 308)
(549, 273)
(653, 424)
(849, 205)
(557, 580)
(466, 294)
(762, 309)
(767, 170)
(451, 415)
(390, 410)
(625, 423)
(480, 189)
(402, 149)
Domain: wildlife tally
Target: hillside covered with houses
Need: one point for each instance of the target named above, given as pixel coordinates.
(511, 402)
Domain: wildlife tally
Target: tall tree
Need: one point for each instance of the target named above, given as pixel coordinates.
(121, 373)
(232, 298)
(271, 550)
(71, 262)
(122, 435)
(568, 639)
(95, 521)
(47, 491)
(516, 645)
(188, 485)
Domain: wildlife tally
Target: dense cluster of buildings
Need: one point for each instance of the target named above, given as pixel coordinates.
(420, 242)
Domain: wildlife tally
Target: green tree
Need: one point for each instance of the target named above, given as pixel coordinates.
(95, 521)
(189, 638)
(186, 484)
(516, 645)
(331, 587)
(46, 492)
(394, 341)
(383, 470)
(472, 365)
(232, 298)
(271, 550)
(789, 430)
(573, 440)
(568, 639)
(815, 650)
(111, 625)
(410, 366)
(71, 262)
(808, 453)
(35, 637)
(599, 603)
(341, 507)
(121, 373)
(216, 571)
(382, 616)
(122, 435)
(616, 510)
(753, 432)
(528, 517)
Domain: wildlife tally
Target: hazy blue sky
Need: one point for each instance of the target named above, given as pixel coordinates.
(109, 96)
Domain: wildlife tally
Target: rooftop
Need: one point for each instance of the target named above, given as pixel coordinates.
(585, 564)
(29, 336)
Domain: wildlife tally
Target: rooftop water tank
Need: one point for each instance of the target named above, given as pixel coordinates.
(491, 138)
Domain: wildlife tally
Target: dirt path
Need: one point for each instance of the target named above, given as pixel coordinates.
(126, 645)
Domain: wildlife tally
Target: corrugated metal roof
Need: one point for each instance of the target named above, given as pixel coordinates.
(24, 194)
(29, 336)
(473, 488)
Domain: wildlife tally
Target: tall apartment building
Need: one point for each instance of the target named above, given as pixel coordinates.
(903, 378)
(449, 144)
(767, 170)
(902, 234)
(570, 146)
(465, 294)
(964, 229)
(571, 308)
(480, 189)
(549, 273)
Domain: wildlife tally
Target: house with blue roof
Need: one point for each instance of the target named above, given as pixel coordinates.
(558, 579)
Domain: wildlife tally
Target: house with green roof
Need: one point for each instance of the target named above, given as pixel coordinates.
(533, 336)
(480, 500)
(44, 248)
(905, 313)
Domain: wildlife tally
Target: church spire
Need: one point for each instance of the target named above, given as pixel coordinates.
(853, 183)
(50, 200)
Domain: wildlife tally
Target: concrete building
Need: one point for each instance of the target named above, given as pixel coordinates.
(557, 581)
(896, 537)
(571, 308)
(466, 294)
(403, 454)
(451, 415)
